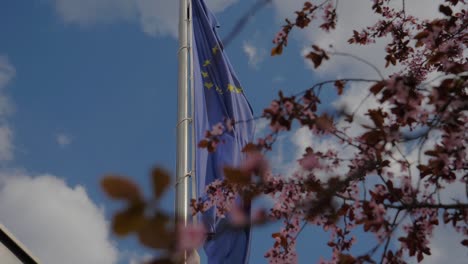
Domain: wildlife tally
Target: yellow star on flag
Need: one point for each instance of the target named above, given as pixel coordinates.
(206, 63)
(215, 49)
(204, 74)
(208, 85)
(231, 88)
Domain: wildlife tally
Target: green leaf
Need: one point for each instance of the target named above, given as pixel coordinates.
(118, 187)
(161, 181)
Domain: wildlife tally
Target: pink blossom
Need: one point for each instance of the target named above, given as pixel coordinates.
(191, 236)
(217, 130)
(310, 161)
(229, 124)
(274, 107)
(279, 36)
(411, 104)
(253, 163)
(289, 106)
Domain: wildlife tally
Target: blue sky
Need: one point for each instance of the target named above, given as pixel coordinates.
(91, 89)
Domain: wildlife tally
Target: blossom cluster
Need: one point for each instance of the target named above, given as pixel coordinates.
(378, 188)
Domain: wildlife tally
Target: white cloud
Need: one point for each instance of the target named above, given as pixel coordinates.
(156, 17)
(7, 72)
(303, 138)
(57, 223)
(278, 161)
(261, 126)
(355, 100)
(88, 12)
(135, 258)
(6, 143)
(446, 247)
(63, 140)
(254, 54)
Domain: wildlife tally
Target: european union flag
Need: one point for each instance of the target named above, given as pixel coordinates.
(218, 94)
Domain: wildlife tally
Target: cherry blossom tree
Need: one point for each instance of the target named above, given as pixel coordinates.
(388, 173)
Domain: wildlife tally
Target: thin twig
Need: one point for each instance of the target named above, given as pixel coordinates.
(359, 59)
(389, 237)
(242, 22)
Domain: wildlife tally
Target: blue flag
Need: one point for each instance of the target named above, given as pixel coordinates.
(218, 95)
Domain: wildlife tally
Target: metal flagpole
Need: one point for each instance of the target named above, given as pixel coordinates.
(192, 111)
(193, 257)
(183, 119)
